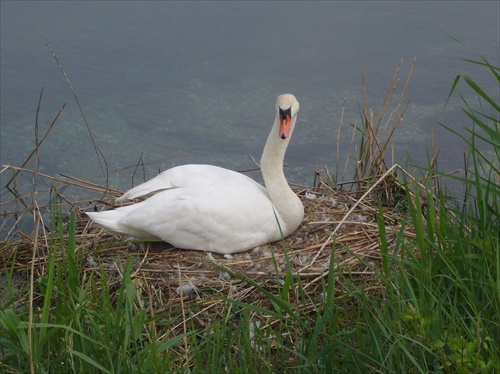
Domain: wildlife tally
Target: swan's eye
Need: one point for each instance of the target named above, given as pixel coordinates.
(285, 112)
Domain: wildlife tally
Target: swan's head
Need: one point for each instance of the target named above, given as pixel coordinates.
(287, 108)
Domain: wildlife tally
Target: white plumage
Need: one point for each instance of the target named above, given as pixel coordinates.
(209, 208)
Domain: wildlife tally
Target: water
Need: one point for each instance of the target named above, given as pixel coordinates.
(195, 82)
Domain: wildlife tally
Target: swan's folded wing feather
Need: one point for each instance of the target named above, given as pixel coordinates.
(217, 218)
(186, 176)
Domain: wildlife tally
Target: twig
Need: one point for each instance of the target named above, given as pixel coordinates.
(88, 185)
(338, 141)
(184, 325)
(31, 290)
(83, 184)
(141, 163)
(104, 168)
(399, 118)
(40, 142)
(35, 244)
(134, 274)
(354, 131)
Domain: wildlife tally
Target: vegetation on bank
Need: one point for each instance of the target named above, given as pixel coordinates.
(407, 281)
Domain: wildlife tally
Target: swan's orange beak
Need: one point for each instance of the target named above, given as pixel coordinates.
(285, 120)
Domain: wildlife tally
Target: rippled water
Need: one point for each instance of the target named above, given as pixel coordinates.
(182, 82)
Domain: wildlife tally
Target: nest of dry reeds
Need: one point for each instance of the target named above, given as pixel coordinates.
(335, 220)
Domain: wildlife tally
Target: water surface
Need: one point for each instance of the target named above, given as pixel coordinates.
(195, 82)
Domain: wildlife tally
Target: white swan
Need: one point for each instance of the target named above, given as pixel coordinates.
(209, 208)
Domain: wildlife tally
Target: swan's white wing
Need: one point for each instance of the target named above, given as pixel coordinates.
(219, 218)
(186, 176)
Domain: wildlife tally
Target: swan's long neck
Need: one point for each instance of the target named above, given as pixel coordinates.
(284, 199)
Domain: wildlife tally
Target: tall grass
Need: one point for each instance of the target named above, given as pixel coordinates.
(80, 325)
(434, 307)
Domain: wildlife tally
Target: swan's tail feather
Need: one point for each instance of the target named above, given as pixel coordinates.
(112, 220)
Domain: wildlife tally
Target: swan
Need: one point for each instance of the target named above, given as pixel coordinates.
(209, 208)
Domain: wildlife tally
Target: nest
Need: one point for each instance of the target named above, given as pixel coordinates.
(172, 278)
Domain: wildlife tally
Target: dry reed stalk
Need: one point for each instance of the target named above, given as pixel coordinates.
(372, 157)
(35, 150)
(338, 141)
(184, 324)
(77, 182)
(102, 162)
(35, 246)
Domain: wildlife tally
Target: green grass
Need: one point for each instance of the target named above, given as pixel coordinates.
(82, 325)
(435, 308)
